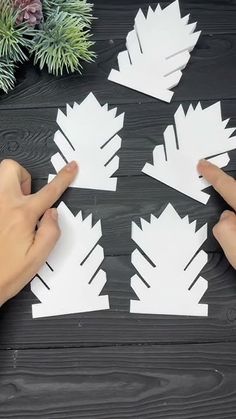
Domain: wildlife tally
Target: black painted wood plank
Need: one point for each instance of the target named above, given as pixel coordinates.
(17, 329)
(210, 74)
(156, 382)
(116, 18)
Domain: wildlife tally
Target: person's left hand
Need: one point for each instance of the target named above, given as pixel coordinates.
(23, 248)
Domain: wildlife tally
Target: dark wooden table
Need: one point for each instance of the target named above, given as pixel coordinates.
(114, 365)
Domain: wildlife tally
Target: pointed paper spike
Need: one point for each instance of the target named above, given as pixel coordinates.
(39, 289)
(92, 263)
(230, 131)
(221, 161)
(185, 19)
(113, 166)
(98, 282)
(225, 122)
(193, 225)
(123, 60)
(79, 216)
(199, 289)
(195, 266)
(144, 223)
(88, 221)
(58, 162)
(135, 231)
(191, 27)
(150, 12)
(138, 286)
(112, 112)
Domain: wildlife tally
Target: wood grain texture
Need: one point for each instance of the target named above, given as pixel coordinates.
(204, 78)
(213, 16)
(157, 382)
(111, 364)
(18, 330)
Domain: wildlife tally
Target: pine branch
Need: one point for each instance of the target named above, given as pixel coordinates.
(80, 8)
(13, 38)
(62, 44)
(7, 77)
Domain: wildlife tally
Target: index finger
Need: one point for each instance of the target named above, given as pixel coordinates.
(49, 194)
(224, 184)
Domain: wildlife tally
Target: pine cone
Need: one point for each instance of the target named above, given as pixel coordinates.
(30, 11)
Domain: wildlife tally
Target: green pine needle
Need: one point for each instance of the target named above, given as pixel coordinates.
(62, 43)
(13, 38)
(7, 78)
(80, 8)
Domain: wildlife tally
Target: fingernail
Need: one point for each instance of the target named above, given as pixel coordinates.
(54, 213)
(70, 167)
(225, 215)
(204, 162)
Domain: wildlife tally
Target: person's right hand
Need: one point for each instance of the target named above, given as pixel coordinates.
(225, 230)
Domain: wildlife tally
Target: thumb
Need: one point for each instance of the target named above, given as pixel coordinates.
(46, 238)
(225, 233)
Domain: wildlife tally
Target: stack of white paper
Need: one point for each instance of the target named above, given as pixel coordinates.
(157, 50)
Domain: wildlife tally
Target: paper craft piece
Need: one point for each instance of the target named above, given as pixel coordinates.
(71, 281)
(198, 134)
(88, 135)
(166, 274)
(157, 50)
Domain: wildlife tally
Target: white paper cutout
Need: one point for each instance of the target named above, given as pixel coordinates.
(172, 245)
(90, 139)
(201, 133)
(76, 281)
(157, 50)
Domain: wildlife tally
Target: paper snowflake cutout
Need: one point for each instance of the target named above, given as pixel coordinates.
(88, 136)
(71, 281)
(198, 134)
(157, 50)
(165, 283)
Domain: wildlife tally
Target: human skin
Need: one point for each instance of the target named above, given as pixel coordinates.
(225, 230)
(29, 226)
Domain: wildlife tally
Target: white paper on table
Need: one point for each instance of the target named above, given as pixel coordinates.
(89, 136)
(157, 50)
(72, 280)
(198, 134)
(165, 277)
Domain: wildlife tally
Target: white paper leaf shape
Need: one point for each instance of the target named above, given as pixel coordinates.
(72, 280)
(157, 50)
(166, 274)
(198, 134)
(88, 135)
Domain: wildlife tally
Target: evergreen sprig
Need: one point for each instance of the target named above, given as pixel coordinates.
(80, 8)
(14, 39)
(62, 43)
(7, 77)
